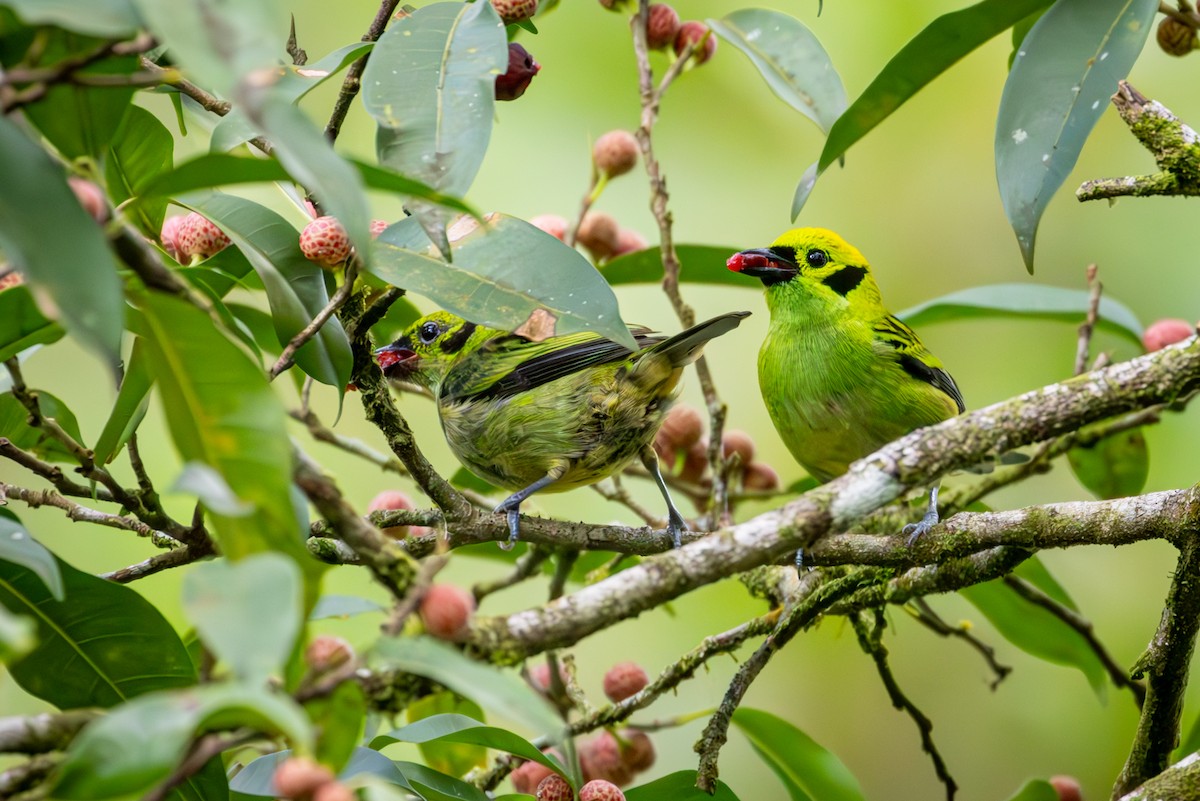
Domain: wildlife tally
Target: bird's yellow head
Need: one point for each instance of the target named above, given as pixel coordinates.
(429, 347)
(813, 262)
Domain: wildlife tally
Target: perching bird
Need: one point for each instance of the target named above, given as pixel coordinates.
(552, 415)
(840, 376)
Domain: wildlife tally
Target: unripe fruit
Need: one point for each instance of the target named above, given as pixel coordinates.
(325, 242)
(554, 788)
(692, 32)
(637, 752)
(629, 241)
(695, 462)
(199, 238)
(662, 26)
(334, 791)
(327, 652)
(1166, 332)
(521, 69)
(738, 442)
(170, 233)
(1175, 38)
(600, 758)
(623, 680)
(528, 776)
(1067, 787)
(760, 476)
(615, 153)
(377, 227)
(680, 430)
(511, 11)
(297, 777)
(599, 233)
(392, 499)
(552, 224)
(90, 197)
(600, 790)
(446, 611)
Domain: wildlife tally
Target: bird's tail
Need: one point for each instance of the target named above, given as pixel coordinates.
(685, 347)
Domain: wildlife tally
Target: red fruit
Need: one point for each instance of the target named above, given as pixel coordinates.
(623, 680)
(600, 790)
(90, 197)
(327, 652)
(515, 10)
(600, 758)
(552, 224)
(554, 788)
(691, 33)
(325, 241)
(738, 442)
(392, 499)
(637, 752)
(759, 476)
(662, 26)
(199, 238)
(1067, 787)
(378, 227)
(1166, 332)
(695, 463)
(599, 233)
(170, 232)
(9, 279)
(629, 241)
(615, 153)
(446, 611)
(521, 69)
(333, 791)
(527, 777)
(297, 777)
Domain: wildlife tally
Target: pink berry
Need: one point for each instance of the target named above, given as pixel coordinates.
(760, 476)
(392, 499)
(333, 791)
(1067, 787)
(527, 777)
(170, 232)
(1166, 332)
(198, 237)
(662, 25)
(327, 652)
(599, 233)
(325, 241)
(637, 752)
(691, 33)
(539, 677)
(521, 69)
(680, 430)
(552, 224)
(298, 777)
(738, 442)
(9, 279)
(378, 227)
(554, 788)
(615, 153)
(623, 680)
(695, 463)
(629, 241)
(446, 611)
(511, 11)
(600, 790)
(600, 758)
(90, 197)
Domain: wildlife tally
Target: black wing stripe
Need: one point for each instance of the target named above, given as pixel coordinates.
(935, 376)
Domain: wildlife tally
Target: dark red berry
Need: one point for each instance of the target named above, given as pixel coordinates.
(521, 69)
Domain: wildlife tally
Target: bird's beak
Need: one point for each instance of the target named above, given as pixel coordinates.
(763, 264)
(397, 361)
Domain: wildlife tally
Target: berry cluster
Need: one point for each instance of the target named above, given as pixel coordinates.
(683, 449)
(664, 31)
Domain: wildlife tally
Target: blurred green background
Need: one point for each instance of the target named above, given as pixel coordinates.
(918, 197)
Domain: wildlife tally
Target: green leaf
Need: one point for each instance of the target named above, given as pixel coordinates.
(803, 189)
(21, 324)
(339, 717)
(59, 248)
(115, 18)
(141, 150)
(451, 756)
(791, 60)
(1114, 467)
(1029, 301)
(679, 786)
(342, 606)
(806, 769)
(1060, 83)
(257, 778)
(14, 424)
(1033, 629)
(133, 399)
(138, 744)
(19, 547)
(222, 413)
(435, 786)
(505, 274)
(102, 645)
(18, 635)
(248, 613)
(454, 728)
(501, 692)
(1036, 790)
(930, 53)
(700, 264)
(295, 286)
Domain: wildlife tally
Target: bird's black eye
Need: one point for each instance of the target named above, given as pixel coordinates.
(816, 258)
(429, 332)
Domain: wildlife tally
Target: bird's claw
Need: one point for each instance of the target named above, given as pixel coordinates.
(514, 524)
(675, 527)
(922, 526)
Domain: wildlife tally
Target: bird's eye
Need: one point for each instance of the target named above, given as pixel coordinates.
(429, 332)
(817, 258)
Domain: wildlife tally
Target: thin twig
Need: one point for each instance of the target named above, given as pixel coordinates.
(160, 562)
(527, 565)
(207, 747)
(621, 495)
(356, 447)
(309, 331)
(353, 80)
(1095, 288)
(930, 619)
(78, 513)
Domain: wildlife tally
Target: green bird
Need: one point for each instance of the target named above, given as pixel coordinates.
(840, 376)
(552, 415)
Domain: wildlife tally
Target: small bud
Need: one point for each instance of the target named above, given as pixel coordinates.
(629, 241)
(760, 476)
(662, 26)
(599, 233)
(600, 758)
(1067, 787)
(392, 499)
(170, 233)
(623, 680)
(377, 227)
(297, 777)
(552, 224)
(1166, 332)
(637, 752)
(521, 69)
(327, 652)
(198, 237)
(446, 611)
(600, 790)
(691, 33)
(90, 197)
(615, 153)
(325, 242)
(554, 788)
(512, 11)
(1175, 38)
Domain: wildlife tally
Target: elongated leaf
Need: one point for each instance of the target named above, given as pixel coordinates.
(803, 189)
(506, 274)
(141, 150)
(1026, 300)
(248, 613)
(806, 769)
(700, 264)
(339, 717)
(57, 245)
(133, 399)
(342, 606)
(102, 645)
(1035, 630)
(791, 60)
(453, 758)
(1036, 790)
(1059, 85)
(19, 547)
(14, 424)
(455, 728)
(295, 286)
(680, 786)
(21, 324)
(138, 744)
(222, 413)
(501, 692)
(258, 778)
(930, 53)
(1114, 467)
(103, 18)
(435, 786)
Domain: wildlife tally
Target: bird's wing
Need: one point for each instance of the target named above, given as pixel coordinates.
(915, 359)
